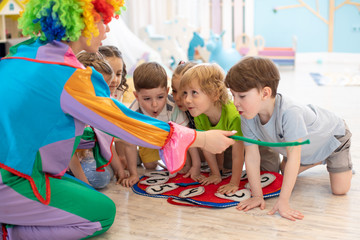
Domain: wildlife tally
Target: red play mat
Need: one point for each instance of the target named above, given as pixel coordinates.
(178, 188)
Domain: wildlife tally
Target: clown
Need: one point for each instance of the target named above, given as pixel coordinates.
(47, 97)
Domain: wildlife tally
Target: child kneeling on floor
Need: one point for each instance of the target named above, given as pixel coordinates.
(269, 116)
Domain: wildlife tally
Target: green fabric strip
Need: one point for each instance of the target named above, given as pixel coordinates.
(267, 144)
(270, 144)
(13, 49)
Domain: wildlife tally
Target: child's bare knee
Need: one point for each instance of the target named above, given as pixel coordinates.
(150, 165)
(339, 191)
(340, 182)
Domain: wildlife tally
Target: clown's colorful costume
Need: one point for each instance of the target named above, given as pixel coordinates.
(47, 97)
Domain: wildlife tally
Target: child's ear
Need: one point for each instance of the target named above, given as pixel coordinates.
(136, 95)
(215, 96)
(168, 89)
(266, 92)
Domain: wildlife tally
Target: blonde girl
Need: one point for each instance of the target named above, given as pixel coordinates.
(193, 160)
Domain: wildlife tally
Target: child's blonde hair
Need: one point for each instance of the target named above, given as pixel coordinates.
(95, 60)
(210, 78)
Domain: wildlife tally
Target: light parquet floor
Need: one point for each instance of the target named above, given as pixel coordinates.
(326, 216)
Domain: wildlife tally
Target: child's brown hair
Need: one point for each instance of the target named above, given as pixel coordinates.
(95, 60)
(149, 75)
(210, 78)
(253, 72)
(182, 68)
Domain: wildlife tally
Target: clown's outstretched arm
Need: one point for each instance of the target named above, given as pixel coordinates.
(214, 141)
(92, 105)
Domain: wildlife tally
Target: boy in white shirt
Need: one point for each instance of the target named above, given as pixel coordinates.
(152, 99)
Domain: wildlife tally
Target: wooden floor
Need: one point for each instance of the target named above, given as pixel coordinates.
(326, 216)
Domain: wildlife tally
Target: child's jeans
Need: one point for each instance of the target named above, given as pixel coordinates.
(97, 179)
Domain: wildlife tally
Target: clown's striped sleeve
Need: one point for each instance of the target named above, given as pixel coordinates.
(86, 98)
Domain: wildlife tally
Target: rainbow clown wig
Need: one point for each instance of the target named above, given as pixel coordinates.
(67, 20)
